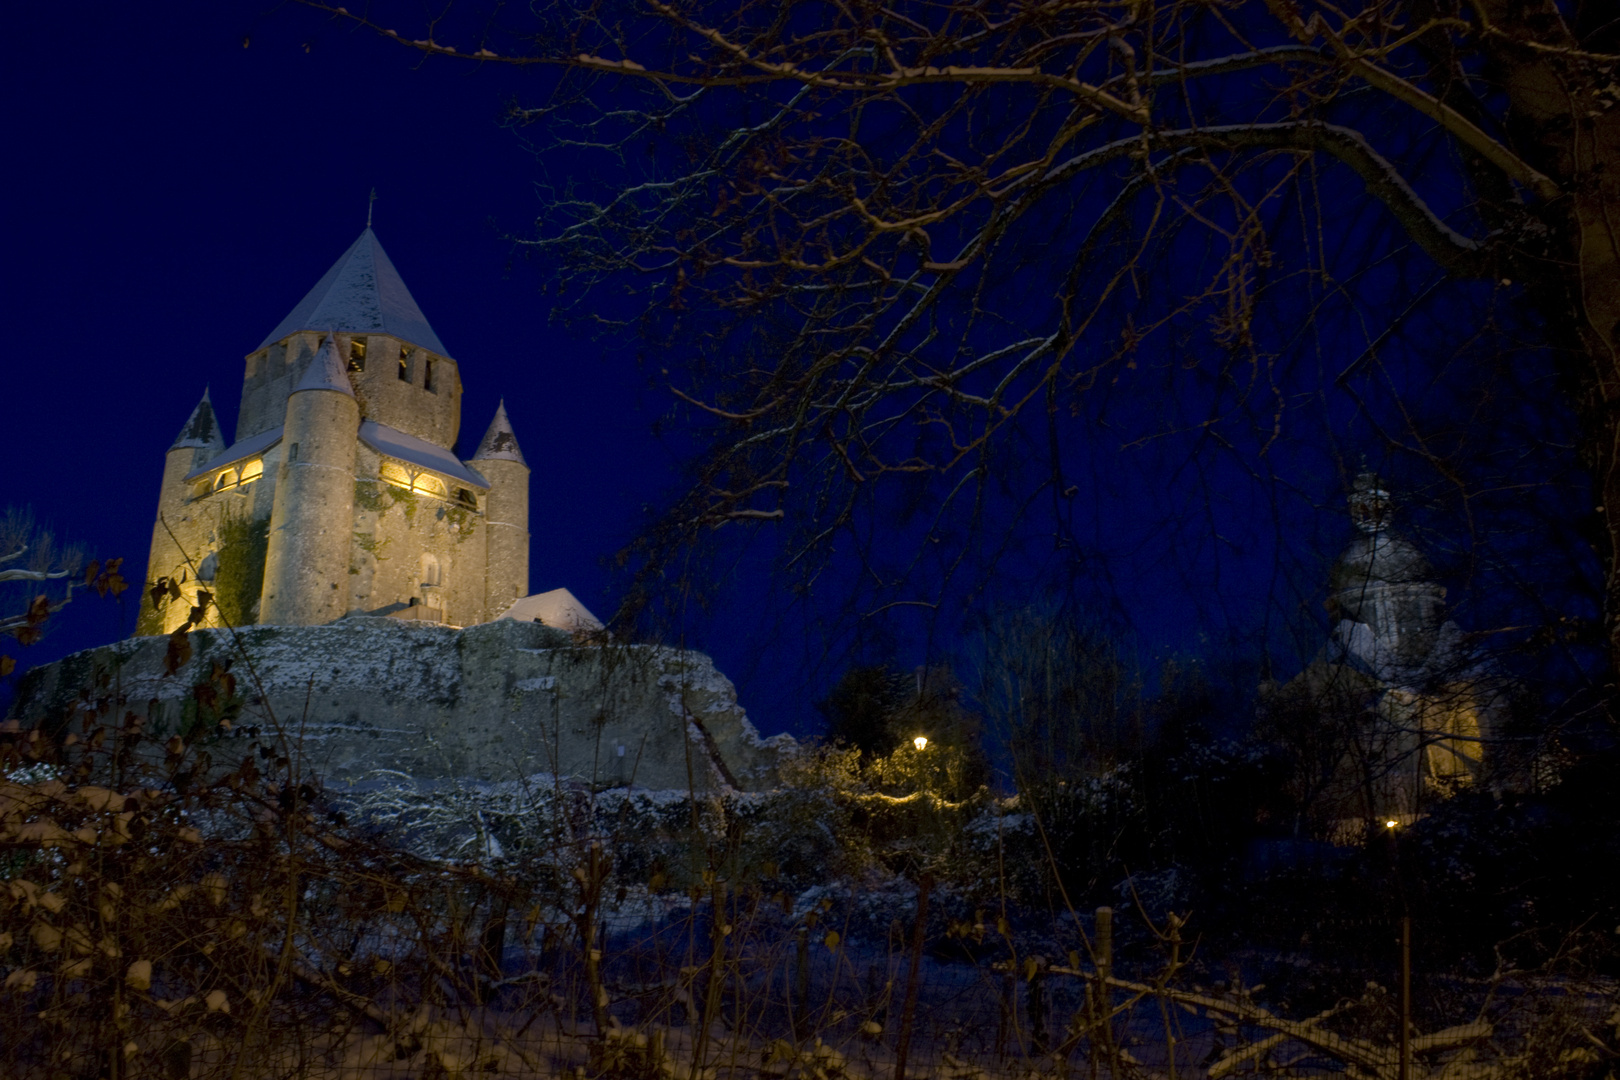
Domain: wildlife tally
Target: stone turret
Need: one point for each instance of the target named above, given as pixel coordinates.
(201, 435)
(198, 443)
(306, 573)
(500, 461)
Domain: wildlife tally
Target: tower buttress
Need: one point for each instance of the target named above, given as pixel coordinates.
(506, 515)
(306, 573)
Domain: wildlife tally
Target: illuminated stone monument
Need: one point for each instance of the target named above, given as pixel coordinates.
(342, 493)
(1397, 709)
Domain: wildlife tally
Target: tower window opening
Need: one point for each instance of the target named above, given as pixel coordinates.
(395, 475)
(432, 587)
(226, 479)
(427, 377)
(411, 480)
(466, 498)
(357, 354)
(252, 471)
(404, 364)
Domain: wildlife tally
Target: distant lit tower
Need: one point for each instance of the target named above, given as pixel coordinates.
(1400, 696)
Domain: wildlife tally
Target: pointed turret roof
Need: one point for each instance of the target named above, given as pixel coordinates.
(361, 293)
(500, 441)
(325, 371)
(202, 430)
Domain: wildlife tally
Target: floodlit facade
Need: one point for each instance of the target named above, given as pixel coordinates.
(341, 493)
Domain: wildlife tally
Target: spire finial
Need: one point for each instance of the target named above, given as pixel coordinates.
(1370, 503)
(368, 206)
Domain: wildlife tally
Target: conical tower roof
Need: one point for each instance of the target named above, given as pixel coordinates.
(361, 294)
(325, 371)
(500, 441)
(202, 429)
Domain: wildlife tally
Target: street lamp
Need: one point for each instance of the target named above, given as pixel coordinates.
(920, 742)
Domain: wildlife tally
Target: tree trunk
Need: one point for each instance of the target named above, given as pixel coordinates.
(1557, 107)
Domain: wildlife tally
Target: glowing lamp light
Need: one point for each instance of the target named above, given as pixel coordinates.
(920, 742)
(1391, 823)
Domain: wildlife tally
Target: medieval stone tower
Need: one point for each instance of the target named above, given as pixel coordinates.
(342, 494)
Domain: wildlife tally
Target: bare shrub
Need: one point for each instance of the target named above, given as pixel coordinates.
(199, 907)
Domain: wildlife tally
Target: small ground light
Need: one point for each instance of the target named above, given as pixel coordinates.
(1391, 823)
(920, 742)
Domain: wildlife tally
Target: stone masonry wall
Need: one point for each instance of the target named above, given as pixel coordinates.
(407, 404)
(499, 701)
(193, 521)
(393, 529)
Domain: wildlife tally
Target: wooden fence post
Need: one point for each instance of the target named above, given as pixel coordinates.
(1104, 998)
(1038, 1040)
(801, 1007)
(1105, 944)
(717, 974)
(918, 934)
(1405, 1070)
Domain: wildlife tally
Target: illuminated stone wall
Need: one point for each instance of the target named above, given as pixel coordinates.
(378, 516)
(306, 578)
(396, 531)
(414, 554)
(507, 526)
(391, 530)
(407, 404)
(504, 701)
(195, 520)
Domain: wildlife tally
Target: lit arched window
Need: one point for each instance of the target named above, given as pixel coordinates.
(226, 479)
(413, 480)
(395, 475)
(429, 485)
(252, 471)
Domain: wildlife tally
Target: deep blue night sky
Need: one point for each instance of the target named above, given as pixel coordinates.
(173, 194)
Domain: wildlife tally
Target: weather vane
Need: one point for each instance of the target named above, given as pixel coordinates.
(368, 206)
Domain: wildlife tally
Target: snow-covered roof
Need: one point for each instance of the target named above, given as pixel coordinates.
(559, 608)
(500, 442)
(325, 371)
(396, 444)
(202, 429)
(361, 293)
(247, 448)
